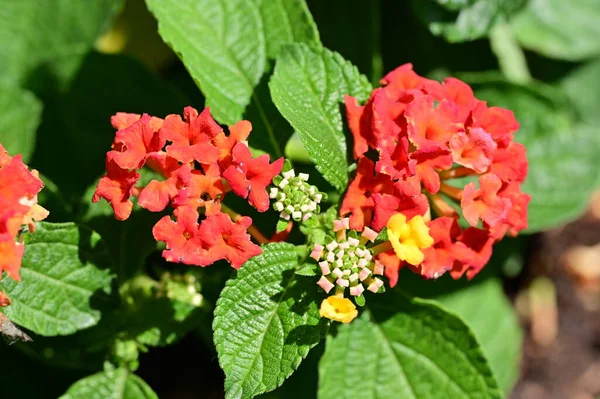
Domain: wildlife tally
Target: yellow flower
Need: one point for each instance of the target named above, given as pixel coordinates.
(409, 238)
(338, 309)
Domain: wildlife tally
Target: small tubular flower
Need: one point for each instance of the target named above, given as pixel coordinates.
(338, 309)
(19, 188)
(409, 238)
(250, 177)
(198, 163)
(412, 137)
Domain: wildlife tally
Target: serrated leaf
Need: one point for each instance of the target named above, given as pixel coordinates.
(500, 336)
(465, 20)
(560, 29)
(225, 44)
(114, 384)
(49, 38)
(266, 321)
(61, 276)
(308, 87)
(20, 113)
(562, 156)
(582, 87)
(404, 348)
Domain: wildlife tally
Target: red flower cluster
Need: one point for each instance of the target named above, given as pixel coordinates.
(423, 134)
(199, 164)
(18, 206)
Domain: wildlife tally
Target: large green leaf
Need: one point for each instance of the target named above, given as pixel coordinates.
(62, 280)
(500, 336)
(225, 44)
(465, 20)
(266, 321)
(48, 39)
(563, 166)
(560, 29)
(308, 87)
(582, 87)
(114, 384)
(405, 348)
(20, 113)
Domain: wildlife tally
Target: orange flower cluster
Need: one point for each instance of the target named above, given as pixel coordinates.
(199, 164)
(19, 188)
(411, 139)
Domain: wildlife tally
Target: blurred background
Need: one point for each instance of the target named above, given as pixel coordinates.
(63, 78)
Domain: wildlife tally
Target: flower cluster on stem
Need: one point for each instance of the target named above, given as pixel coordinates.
(19, 188)
(198, 164)
(413, 139)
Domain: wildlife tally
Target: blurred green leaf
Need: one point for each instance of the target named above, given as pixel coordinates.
(405, 348)
(113, 383)
(20, 113)
(42, 41)
(459, 21)
(560, 29)
(266, 322)
(582, 87)
(225, 45)
(308, 88)
(62, 275)
(500, 336)
(562, 156)
(76, 133)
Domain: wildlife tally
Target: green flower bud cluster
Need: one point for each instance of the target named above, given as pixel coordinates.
(294, 198)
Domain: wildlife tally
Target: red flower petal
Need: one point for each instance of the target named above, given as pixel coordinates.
(510, 163)
(227, 240)
(359, 122)
(432, 126)
(405, 198)
(116, 187)
(500, 123)
(428, 160)
(484, 203)
(237, 133)
(474, 149)
(473, 251)
(250, 177)
(191, 139)
(440, 257)
(134, 143)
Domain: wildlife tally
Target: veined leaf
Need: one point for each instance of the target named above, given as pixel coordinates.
(114, 384)
(60, 274)
(20, 113)
(308, 87)
(225, 44)
(405, 348)
(266, 321)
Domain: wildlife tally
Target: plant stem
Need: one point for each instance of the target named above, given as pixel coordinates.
(511, 58)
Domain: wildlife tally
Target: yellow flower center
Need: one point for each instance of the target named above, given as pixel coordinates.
(409, 238)
(338, 309)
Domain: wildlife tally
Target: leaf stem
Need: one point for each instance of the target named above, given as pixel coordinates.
(510, 55)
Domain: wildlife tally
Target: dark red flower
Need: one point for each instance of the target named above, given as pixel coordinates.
(133, 143)
(117, 187)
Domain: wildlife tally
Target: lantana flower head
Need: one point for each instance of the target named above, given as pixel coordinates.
(19, 188)
(412, 139)
(199, 164)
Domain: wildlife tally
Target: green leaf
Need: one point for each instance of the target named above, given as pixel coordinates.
(463, 22)
(49, 39)
(563, 170)
(500, 336)
(225, 44)
(20, 113)
(62, 280)
(308, 87)
(582, 87)
(266, 321)
(405, 348)
(114, 384)
(560, 29)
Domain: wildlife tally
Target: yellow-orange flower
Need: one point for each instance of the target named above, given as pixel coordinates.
(409, 237)
(338, 309)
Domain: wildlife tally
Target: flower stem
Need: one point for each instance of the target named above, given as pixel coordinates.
(456, 172)
(440, 207)
(383, 247)
(453, 192)
(511, 58)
